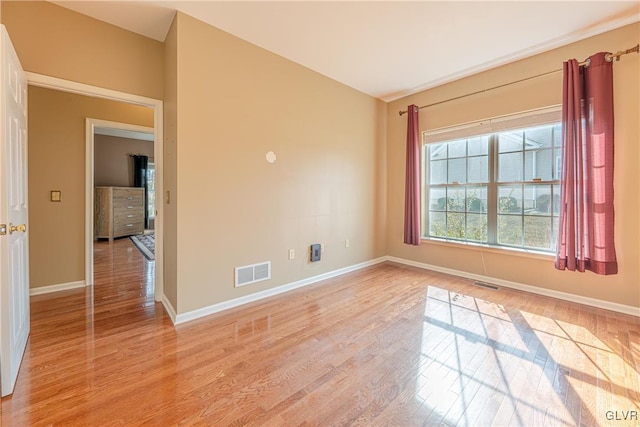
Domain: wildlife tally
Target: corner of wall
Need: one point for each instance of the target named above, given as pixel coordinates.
(169, 198)
(381, 184)
(450, 107)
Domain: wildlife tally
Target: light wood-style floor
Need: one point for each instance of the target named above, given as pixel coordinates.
(387, 345)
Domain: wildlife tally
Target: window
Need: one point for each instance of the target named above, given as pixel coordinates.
(496, 188)
(151, 190)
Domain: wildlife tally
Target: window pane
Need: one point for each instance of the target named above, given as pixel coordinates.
(529, 199)
(537, 199)
(476, 199)
(458, 149)
(510, 230)
(455, 225)
(151, 190)
(437, 224)
(557, 135)
(510, 199)
(538, 164)
(437, 199)
(455, 199)
(554, 233)
(557, 163)
(437, 151)
(537, 232)
(556, 200)
(438, 172)
(537, 138)
(478, 169)
(510, 141)
(510, 167)
(478, 146)
(457, 171)
(477, 227)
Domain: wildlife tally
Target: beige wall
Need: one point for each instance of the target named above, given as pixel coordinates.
(57, 162)
(113, 162)
(55, 41)
(340, 168)
(236, 102)
(58, 42)
(169, 163)
(623, 288)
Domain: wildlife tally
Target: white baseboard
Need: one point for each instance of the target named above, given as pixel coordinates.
(593, 302)
(225, 305)
(57, 288)
(169, 308)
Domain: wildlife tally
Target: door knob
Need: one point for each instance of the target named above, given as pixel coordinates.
(21, 227)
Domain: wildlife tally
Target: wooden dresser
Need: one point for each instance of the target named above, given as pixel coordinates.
(119, 211)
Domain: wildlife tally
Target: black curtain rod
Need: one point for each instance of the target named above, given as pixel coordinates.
(609, 57)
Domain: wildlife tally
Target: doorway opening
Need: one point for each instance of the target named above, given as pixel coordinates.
(123, 183)
(157, 130)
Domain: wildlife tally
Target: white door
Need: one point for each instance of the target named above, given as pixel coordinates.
(14, 242)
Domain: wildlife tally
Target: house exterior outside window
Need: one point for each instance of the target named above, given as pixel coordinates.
(495, 182)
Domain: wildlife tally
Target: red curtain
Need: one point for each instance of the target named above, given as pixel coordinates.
(412, 180)
(585, 231)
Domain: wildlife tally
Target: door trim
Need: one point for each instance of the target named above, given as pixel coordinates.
(49, 82)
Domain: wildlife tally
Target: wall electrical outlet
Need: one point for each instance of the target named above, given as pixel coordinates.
(346, 243)
(316, 251)
(292, 253)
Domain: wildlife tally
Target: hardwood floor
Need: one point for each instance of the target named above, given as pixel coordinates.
(386, 345)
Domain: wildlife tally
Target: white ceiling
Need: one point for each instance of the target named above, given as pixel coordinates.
(387, 49)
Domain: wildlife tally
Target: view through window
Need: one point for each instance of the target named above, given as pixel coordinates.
(498, 189)
(151, 189)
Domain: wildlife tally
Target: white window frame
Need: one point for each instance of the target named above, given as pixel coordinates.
(533, 118)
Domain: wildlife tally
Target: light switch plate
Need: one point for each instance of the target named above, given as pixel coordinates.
(56, 195)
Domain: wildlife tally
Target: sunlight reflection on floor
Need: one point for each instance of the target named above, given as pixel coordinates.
(481, 365)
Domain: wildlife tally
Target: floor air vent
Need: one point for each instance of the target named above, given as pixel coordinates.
(253, 273)
(485, 285)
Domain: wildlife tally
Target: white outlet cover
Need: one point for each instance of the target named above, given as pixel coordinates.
(271, 157)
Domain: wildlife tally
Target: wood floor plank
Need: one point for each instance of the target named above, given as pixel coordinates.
(387, 345)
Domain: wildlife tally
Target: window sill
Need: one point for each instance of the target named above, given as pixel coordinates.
(526, 253)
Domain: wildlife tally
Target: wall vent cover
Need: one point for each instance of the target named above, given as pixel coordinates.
(485, 285)
(249, 274)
